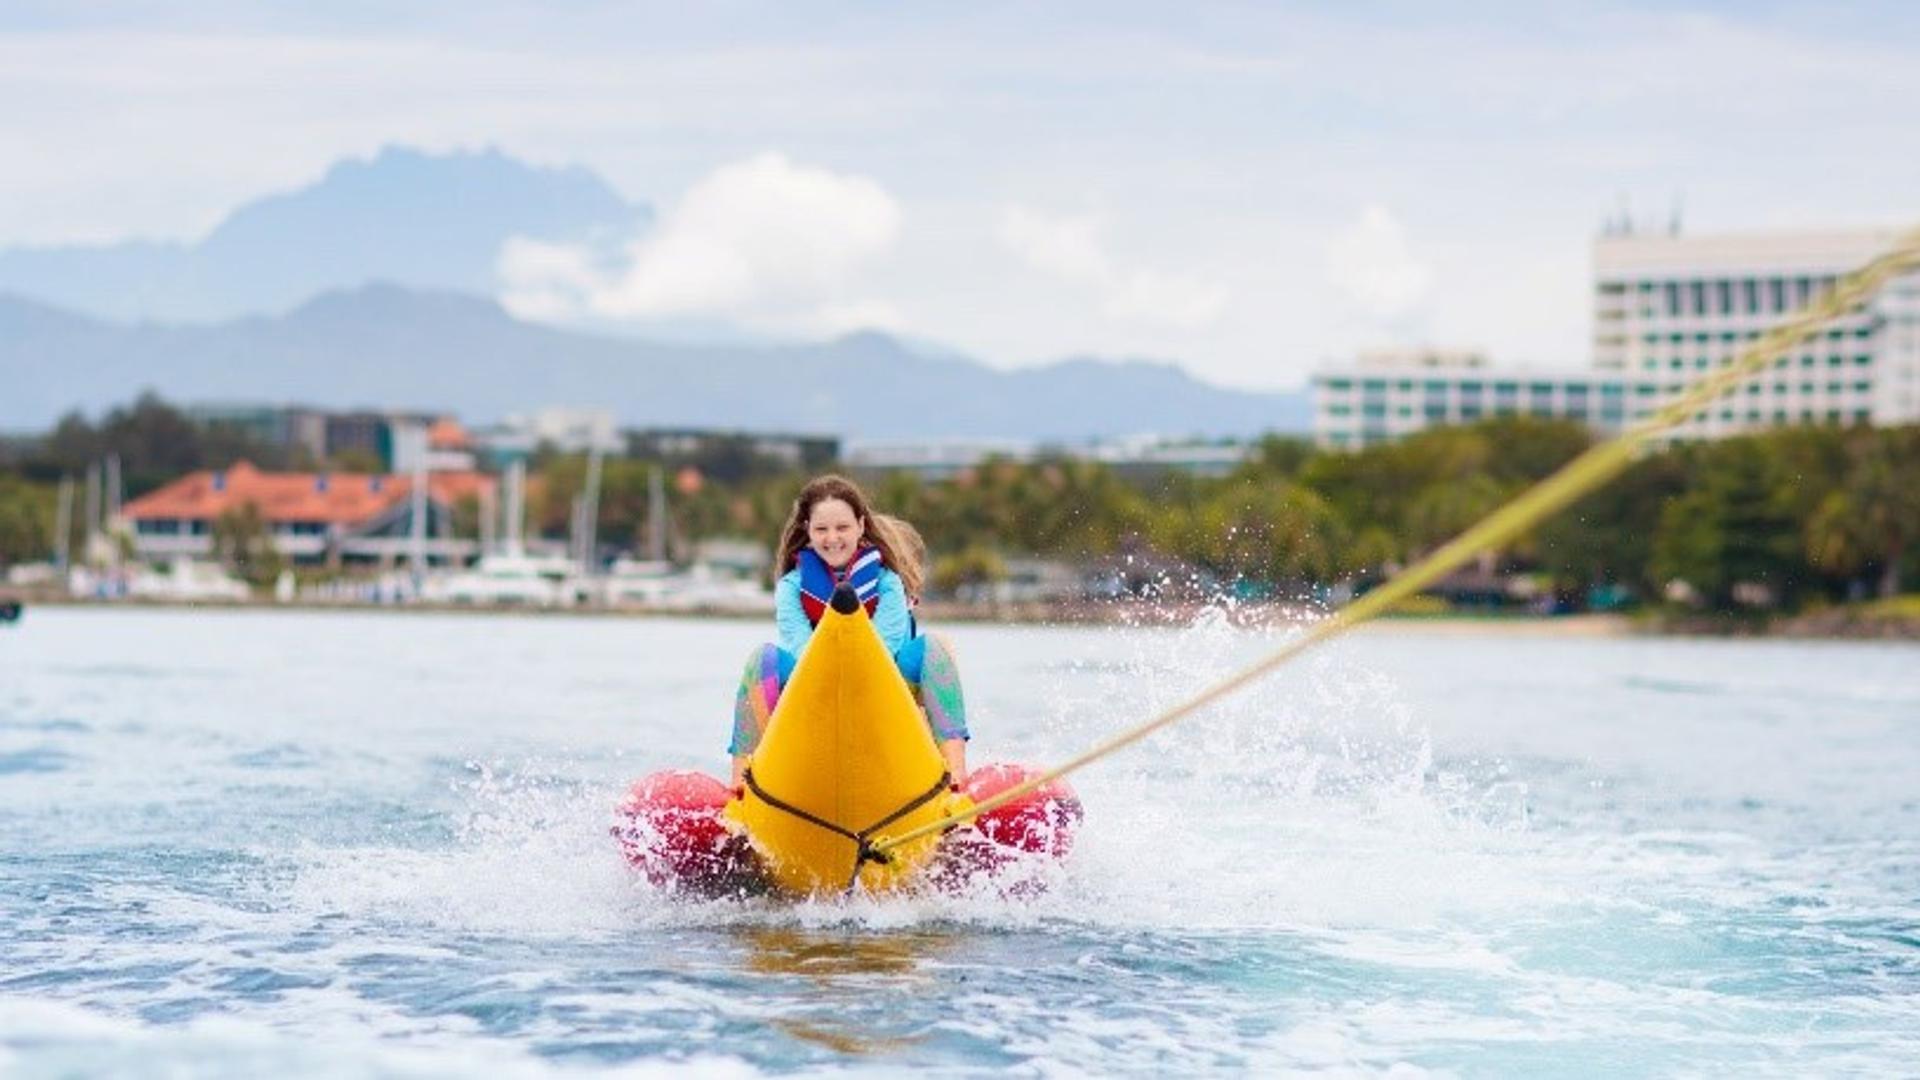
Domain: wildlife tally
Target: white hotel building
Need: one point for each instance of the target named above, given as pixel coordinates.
(1667, 309)
(1392, 393)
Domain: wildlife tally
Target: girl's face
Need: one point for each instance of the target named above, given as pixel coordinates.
(834, 531)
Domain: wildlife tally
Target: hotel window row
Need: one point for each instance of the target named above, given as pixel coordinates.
(1356, 412)
(1751, 296)
(1719, 296)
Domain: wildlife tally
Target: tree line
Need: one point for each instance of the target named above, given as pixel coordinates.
(1782, 518)
(1775, 519)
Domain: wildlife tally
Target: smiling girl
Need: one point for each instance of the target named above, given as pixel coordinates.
(833, 537)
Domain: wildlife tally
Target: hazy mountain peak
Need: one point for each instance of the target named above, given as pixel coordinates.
(385, 301)
(22, 317)
(451, 188)
(421, 219)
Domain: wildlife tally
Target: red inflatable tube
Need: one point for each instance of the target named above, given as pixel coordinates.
(669, 828)
(1041, 822)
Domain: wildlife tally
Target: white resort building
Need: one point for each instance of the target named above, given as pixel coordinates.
(1667, 309)
(1389, 394)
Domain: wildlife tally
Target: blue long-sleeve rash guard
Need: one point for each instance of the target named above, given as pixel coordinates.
(890, 616)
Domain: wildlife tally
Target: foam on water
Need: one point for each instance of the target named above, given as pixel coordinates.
(54, 1039)
(1328, 774)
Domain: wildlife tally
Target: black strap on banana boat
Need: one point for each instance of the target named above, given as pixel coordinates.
(864, 852)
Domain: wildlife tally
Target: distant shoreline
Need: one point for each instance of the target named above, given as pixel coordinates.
(1833, 624)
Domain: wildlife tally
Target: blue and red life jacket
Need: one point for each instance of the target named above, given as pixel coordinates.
(817, 580)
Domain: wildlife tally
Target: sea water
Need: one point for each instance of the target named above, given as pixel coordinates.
(242, 843)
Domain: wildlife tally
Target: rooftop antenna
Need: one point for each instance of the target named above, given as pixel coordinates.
(1679, 208)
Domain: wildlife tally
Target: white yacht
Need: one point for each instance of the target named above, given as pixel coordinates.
(508, 578)
(638, 583)
(186, 579)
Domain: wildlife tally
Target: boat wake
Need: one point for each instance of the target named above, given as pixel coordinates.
(1313, 800)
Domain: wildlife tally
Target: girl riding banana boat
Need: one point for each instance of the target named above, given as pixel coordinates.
(850, 727)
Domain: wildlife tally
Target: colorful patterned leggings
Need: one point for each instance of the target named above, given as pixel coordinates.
(926, 662)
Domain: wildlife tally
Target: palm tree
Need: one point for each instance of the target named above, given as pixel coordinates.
(1872, 518)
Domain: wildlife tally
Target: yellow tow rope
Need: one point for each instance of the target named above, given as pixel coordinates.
(1577, 478)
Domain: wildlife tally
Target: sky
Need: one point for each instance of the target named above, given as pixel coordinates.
(1248, 190)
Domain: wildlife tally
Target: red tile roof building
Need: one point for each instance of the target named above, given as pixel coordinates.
(352, 517)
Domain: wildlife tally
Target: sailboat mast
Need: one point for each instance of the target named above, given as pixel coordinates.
(93, 513)
(111, 521)
(516, 507)
(656, 516)
(488, 510)
(417, 537)
(590, 514)
(63, 526)
(114, 487)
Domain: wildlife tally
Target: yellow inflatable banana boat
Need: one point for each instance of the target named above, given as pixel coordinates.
(846, 757)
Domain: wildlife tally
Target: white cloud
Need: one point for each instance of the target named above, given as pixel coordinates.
(545, 281)
(1370, 264)
(765, 241)
(1497, 142)
(832, 320)
(1067, 247)
(1073, 248)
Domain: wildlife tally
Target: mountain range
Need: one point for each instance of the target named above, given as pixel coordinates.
(416, 219)
(372, 287)
(383, 346)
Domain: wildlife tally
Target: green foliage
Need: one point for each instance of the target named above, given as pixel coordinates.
(974, 565)
(1733, 525)
(356, 459)
(466, 516)
(243, 541)
(1444, 509)
(1806, 514)
(154, 441)
(1278, 455)
(26, 520)
(1275, 532)
(1422, 491)
(1607, 538)
(1870, 519)
(1803, 513)
(752, 508)
(1051, 506)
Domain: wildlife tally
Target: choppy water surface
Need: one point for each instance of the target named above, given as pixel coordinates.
(253, 843)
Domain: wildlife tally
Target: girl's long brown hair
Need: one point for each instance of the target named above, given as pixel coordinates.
(882, 531)
(911, 547)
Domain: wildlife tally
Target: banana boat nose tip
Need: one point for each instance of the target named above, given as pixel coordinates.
(845, 600)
